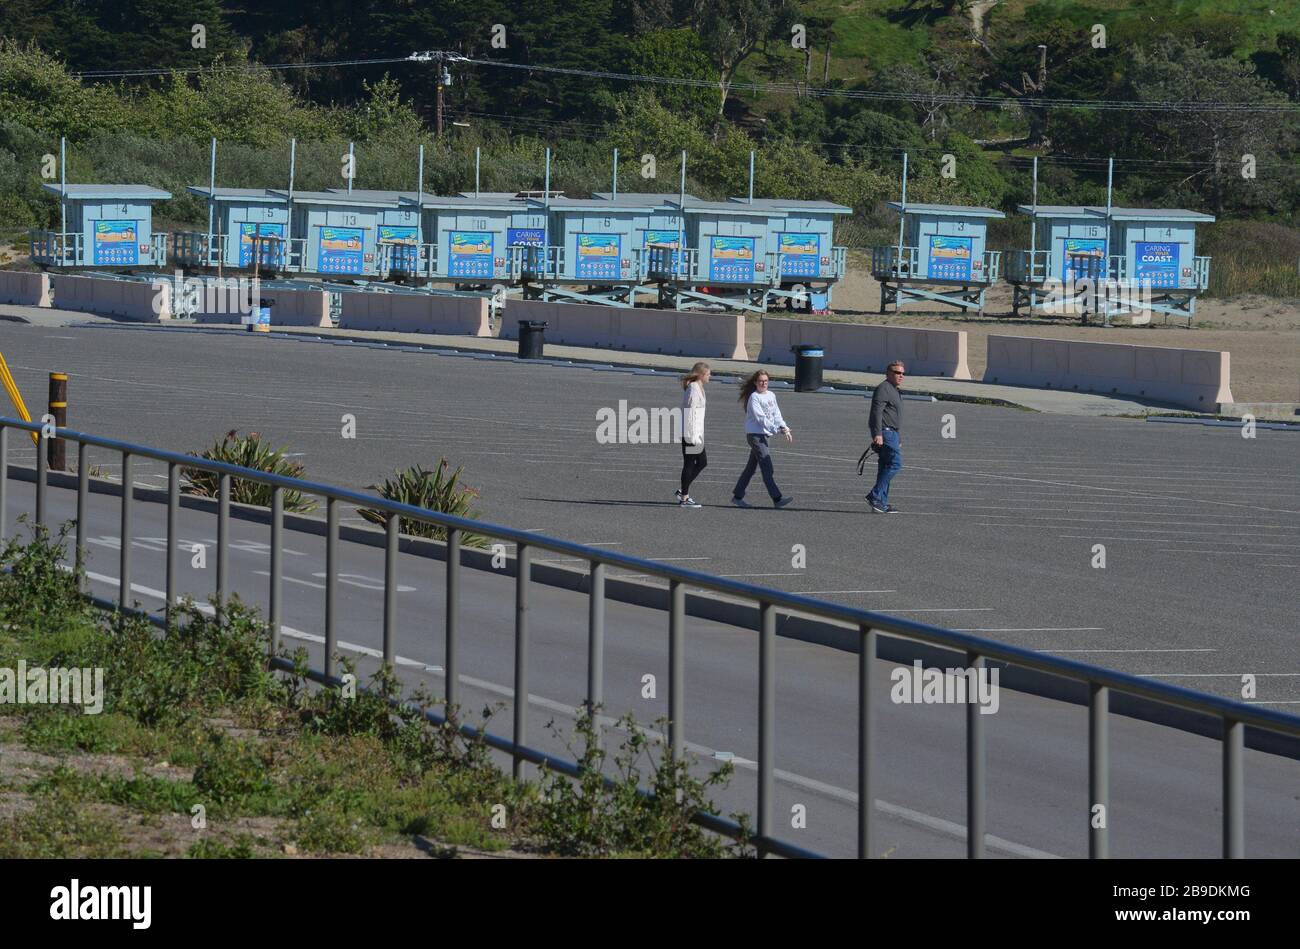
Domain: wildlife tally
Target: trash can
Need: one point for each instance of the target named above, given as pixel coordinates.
(807, 368)
(532, 337)
(259, 321)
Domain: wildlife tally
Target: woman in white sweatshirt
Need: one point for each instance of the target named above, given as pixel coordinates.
(762, 419)
(694, 459)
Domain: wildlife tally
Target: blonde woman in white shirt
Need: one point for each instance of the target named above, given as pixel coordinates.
(694, 459)
(762, 420)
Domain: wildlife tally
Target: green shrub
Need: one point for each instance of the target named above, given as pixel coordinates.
(434, 490)
(249, 452)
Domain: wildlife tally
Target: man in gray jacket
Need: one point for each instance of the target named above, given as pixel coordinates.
(886, 420)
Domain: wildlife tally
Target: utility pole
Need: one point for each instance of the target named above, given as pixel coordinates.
(440, 58)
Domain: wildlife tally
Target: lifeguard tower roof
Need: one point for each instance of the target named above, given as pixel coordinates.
(372, 195)
(699, 206)
(655, 197)
(789, 204)
(242, 195)
(107, 192)
(1117, 214)
(486, 201)
(622, 203)
(946, 210)
(355, 199)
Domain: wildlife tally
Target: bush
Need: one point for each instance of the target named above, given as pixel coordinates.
(434, 490)
(250, 452)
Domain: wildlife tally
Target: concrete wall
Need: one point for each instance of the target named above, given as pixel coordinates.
(414, 313)
(868, 348)
(24, 289)
(289, 307)
(674, 333)
(1193, 378)
(141, 300)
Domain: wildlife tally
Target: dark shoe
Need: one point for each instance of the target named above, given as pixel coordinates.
(782, 502)
(740, 502)
(876, 508)
(892, 510)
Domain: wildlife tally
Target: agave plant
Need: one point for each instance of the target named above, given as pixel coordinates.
(437, 490)
(248, 452)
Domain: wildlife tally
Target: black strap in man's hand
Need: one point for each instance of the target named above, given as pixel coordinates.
(862, 462)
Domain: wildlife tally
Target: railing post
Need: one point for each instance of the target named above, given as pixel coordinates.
(42, 471)
(523, 562)
(173, 504)
(390, 589)
(596, 642)
(975, 754)
(676, 671)
(866, 727)
(124, 589)
(83, 490)
(277, 563)
(453, 606)
(766, 718)
(1098, 771)
(1234, 803)
(331, 582)
(223, 538)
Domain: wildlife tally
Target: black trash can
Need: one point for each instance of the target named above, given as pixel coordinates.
(532, 336)
(807, 368)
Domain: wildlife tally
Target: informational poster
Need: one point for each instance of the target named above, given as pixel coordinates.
(950, 258)
(731, 259)
(270, 250)
(665, 239)
(800, 255)
(525, 237)
(403, 256)
(340, 250)
(471, 254)
(598, 256)
(1082, 247)
(115, 243)
(1157, 265)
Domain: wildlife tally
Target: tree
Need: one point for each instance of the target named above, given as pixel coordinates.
(732, 29)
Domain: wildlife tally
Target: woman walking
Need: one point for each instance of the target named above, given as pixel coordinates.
(762, 419)
(694, 458)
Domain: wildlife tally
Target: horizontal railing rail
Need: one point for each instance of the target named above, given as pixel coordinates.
(1234, 715)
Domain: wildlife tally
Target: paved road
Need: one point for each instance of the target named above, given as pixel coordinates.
(1165, 784)
(1201, 528)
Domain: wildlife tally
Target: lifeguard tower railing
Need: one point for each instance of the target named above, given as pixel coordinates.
(893, 262)
(1034, 267)
(1038, 289)
(54, 249)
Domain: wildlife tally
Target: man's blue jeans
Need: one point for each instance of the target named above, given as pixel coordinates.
(890, 463)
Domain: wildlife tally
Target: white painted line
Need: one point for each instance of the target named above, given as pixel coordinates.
(1217, 675)
(1262, 702)
(1128, 650)
(940, 609)
(734, 575)
(305, 583)
(666, 559)
(1035, 629)
(825, 592)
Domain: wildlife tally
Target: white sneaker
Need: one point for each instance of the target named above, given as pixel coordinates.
(688, 501)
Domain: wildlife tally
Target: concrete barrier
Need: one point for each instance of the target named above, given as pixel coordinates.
(1192, 378)
(867, 348)
(141, 300)
(414, 313)
(289, 307)
(672, 332)
(24, 288)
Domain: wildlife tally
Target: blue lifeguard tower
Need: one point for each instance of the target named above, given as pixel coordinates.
(801, 238)
(103, 226)
(335, 234)
(941, 255)
(599, 246)
(472, 239)
(251, 228)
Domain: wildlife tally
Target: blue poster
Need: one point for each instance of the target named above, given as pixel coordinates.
(1082, 247)
(598, 256)
(115, 243)
(1157, 265)
(525, 237)
(339, 250)
(470, 254)
(270, 250)
(800, 255)
(403, 257)
(950, 258)
(731, 259)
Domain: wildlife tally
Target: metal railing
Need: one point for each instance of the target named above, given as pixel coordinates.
(1100, 682)
(49, 249)
(888, 264)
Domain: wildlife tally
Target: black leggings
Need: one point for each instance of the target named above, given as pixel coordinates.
(692, 465)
